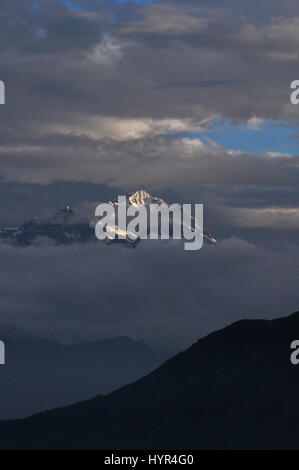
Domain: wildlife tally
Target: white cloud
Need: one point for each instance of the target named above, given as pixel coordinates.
(165, 19)
(255, 122)
(98, 127)
(274, 217)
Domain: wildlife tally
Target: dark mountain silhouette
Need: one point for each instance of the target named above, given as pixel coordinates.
(234, 389)
(41, 374)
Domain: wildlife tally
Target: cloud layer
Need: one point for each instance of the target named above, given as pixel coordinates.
(157, 292)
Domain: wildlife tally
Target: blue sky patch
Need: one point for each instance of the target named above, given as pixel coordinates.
(271, 136)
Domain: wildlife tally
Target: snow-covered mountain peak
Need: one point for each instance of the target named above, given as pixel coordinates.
(143, 198)
(140, 198)
(68, 226)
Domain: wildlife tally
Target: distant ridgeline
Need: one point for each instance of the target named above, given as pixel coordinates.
(2, 92)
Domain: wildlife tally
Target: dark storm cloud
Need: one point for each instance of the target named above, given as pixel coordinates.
(159, 162)
(71, 71)
(20, 202)
(259, 10)
(66, 64)
(200, 83)
(157, 292)
(41, 27)
(94, 92)
(260, 197)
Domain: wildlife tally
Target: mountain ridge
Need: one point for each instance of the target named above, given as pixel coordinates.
(66, 226)
(52, 374)
(233, 389)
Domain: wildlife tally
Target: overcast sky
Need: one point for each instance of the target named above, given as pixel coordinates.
(189, 100)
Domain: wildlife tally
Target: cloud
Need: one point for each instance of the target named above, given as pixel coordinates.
(164, 19)
(200, 83)
(157, 292)
(126, 129)
(157, 162)
(66, 67)
(254, 123)
(278, 217)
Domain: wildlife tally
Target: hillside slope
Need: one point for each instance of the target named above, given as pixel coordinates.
(234, 389)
